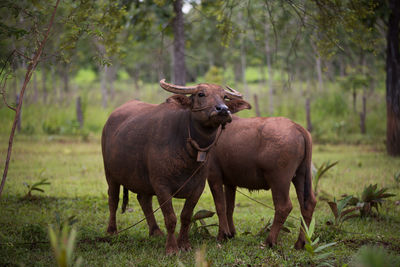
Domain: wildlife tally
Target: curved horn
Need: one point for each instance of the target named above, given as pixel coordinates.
(177, 89)
(233, 93)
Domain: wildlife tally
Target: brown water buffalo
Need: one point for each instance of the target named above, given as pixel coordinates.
(262, 153)
(153, 149)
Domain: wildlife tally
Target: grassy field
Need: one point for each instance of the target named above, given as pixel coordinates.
(78, 188)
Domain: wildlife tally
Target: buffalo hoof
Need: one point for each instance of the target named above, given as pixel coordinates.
(112, 230)
(156, 233)
(185, 246)
(224, 236)
(171, 250)
(299, 244)
(270, 243)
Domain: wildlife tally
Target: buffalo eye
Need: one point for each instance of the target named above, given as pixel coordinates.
(226, 98)
(201, 94)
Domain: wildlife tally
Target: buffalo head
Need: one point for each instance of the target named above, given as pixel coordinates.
(210, 104)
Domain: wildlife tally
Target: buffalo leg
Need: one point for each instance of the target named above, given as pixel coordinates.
(283, 206)
(165, 201)
(113, 199)
(307, 205)
(230, 193)
(220, 205)
(186, 217)
(145, 202)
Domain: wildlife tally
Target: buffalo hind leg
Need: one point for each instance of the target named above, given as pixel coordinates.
(283, 206)
(217, 191)
(165, 201)
(230, 193)
(145, 202)
(113, 199)
(307, 205)
(186, 218)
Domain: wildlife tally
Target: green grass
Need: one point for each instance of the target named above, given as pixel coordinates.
(78, 187)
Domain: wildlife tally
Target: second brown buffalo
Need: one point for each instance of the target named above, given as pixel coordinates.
(262, 153)
(154, 150)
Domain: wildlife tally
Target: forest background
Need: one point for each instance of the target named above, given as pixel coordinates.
(331, 66)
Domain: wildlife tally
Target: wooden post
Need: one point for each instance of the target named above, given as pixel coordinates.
(308, 114)
(79, 114)
(258, 114)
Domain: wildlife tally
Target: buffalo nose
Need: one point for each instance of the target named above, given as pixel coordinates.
(222, 109)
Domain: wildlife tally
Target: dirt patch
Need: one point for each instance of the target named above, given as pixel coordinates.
(392, 244)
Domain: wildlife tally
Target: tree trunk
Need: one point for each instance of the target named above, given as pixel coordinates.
(66, 78)
(104, 94)
(354, 100)
(179, 45)
(269, 69)
(79, 113)
(363, 113)
(393, 80)
(308, 114)
(19, 114)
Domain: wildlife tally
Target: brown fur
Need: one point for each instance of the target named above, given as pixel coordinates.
(262, 153)
(145, 149)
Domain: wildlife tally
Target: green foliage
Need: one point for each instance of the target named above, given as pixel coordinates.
(63, 245)
(35, 186)
(214, 75)
(341, 211)
(316, 252)
(374, 256)
(396, 178)
(319, 172)
(371, 197)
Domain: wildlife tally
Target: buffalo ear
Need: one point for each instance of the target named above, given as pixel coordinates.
(237, 105)
(181, 100)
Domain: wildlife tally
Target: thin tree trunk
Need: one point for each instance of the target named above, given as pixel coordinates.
(179, 45)
(393, 80)
(104, 94)
(243, 61)
(79, 113)
(269, 69)
(17, 99)
(31, 68)
(363, 113)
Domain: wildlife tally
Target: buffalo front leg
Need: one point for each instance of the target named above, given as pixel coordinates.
(165, 201)
(186, 218)
(145, 202)
(230, 193)
(283, 206)
(113, 199)
(220, 205)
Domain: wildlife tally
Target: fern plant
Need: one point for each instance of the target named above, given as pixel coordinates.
(341, 211)
(319, 172)
(63, 244)
(316, 252)
(396, 178)
(372, 197)
(35, 187)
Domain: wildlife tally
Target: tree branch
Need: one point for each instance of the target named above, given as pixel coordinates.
(31, 68)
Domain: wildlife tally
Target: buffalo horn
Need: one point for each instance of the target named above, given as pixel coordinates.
(177, 89)
(233, 93)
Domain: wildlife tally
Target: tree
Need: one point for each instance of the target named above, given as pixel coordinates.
(179, 45)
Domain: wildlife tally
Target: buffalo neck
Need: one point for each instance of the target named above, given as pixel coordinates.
(204, 136)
